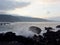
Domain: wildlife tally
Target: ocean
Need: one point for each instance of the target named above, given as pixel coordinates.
(22, 28)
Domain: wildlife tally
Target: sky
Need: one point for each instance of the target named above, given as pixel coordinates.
(32, 8)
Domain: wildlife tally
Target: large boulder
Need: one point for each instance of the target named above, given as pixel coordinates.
(35, 29)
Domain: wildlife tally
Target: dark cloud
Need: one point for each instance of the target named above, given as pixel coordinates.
(10, 5)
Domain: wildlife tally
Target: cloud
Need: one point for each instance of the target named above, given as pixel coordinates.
(11, 5)
(51, 0)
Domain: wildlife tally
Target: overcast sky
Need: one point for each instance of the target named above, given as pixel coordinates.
(33, 8)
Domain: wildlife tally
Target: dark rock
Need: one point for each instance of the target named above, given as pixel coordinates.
(35, 29)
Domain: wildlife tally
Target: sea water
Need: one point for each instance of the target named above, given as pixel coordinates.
(22, 28)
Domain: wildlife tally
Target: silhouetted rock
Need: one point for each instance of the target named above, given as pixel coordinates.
(35, 29)
(9, 36)
(58, 26)
(48, 28)
(48, 38)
